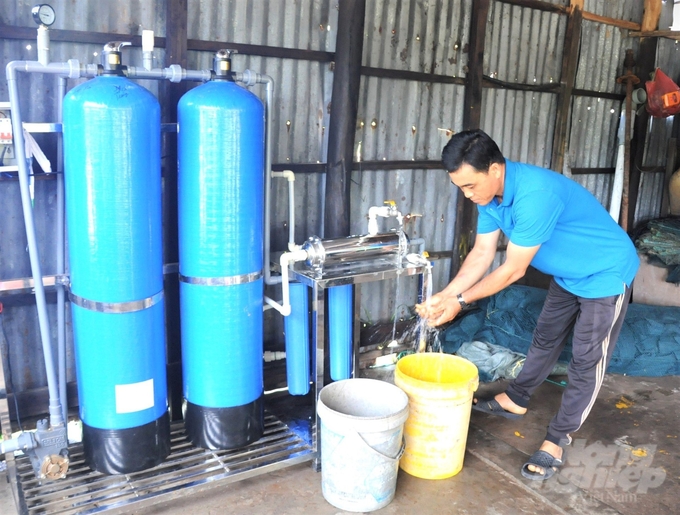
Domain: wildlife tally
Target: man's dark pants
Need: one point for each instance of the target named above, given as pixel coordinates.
(597, 324)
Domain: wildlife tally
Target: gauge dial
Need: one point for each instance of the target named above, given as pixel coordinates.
(43, 14)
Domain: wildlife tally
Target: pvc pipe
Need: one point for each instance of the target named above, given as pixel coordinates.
(286, 258)
(23, 442)
(61, 269)
(617, 188)
(147, 49)
(43, 45)
(288, 174)
(55, 411)
(249, 78)
(173, 73)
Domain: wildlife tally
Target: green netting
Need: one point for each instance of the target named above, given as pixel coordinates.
(649, 344)
(661, 239)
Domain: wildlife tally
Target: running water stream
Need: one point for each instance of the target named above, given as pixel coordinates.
(423, 329)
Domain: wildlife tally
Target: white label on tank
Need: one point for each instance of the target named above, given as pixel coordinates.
(134, 396)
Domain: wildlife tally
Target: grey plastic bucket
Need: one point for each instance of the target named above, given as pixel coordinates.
(362, 430)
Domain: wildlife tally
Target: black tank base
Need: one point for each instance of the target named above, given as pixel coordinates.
(224, 428)
(122, 451)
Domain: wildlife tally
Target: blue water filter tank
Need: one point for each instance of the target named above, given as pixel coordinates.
(113, 209)
(340, 330)
(221, 191)
(296, 327)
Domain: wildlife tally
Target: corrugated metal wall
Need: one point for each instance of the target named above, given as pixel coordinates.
(409, 120)
(398, 119)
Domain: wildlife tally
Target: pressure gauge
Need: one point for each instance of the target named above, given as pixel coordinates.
(43, 14)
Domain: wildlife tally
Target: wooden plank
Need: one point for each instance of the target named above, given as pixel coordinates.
(538, 5)
(622, 24)
(386, 73)
(651, 15)
(670, 34)
(572, 43)
(261, 50)
(588, 171)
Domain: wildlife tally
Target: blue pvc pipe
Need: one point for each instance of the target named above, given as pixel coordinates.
(340, 330)
(297, 340)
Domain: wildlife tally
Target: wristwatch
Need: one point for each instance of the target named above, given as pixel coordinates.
(462, 302)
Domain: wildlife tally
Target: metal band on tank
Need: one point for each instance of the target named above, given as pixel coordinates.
(116, 307)
(222, 281)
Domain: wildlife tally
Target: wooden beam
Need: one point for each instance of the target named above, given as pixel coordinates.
(670, 34)
(651, 15)
(538, 5)
(622, 24)
(577, 4)
(385, 73)
(572, 42)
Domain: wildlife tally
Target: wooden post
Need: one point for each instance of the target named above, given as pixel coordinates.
(466, 212)
(646, 63)
(169, 95)
(572, 43)
(343, 117)
(630, 79)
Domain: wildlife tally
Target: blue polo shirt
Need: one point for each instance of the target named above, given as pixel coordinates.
(588, 254)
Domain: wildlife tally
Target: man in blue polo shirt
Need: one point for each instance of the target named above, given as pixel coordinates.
(557, 226)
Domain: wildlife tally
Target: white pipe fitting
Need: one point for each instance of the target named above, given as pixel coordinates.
(286, 258)
(384, 211)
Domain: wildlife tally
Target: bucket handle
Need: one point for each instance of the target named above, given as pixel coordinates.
(385, 456)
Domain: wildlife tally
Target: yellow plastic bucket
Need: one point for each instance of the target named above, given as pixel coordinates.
(440, 389)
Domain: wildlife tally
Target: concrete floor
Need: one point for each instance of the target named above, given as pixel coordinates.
(624, 460)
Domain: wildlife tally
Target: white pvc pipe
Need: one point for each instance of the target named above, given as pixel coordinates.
(290, 176)
(61, 269)
(43, 45)
(286, 258)
(617, 188)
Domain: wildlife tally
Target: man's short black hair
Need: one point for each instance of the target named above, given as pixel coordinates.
(474, 148)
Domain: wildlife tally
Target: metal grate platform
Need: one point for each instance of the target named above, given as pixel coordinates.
(186, 470)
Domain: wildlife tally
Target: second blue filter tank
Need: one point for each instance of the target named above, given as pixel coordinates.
(221, 191)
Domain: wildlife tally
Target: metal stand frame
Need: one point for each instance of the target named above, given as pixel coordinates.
(319, 281)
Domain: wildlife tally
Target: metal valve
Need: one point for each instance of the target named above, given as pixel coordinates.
(222, 64)
(111, 57)
(54, 466)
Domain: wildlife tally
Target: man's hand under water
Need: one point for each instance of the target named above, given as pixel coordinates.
(439, 309)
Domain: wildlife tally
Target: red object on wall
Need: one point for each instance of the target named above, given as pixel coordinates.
(663, 95)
